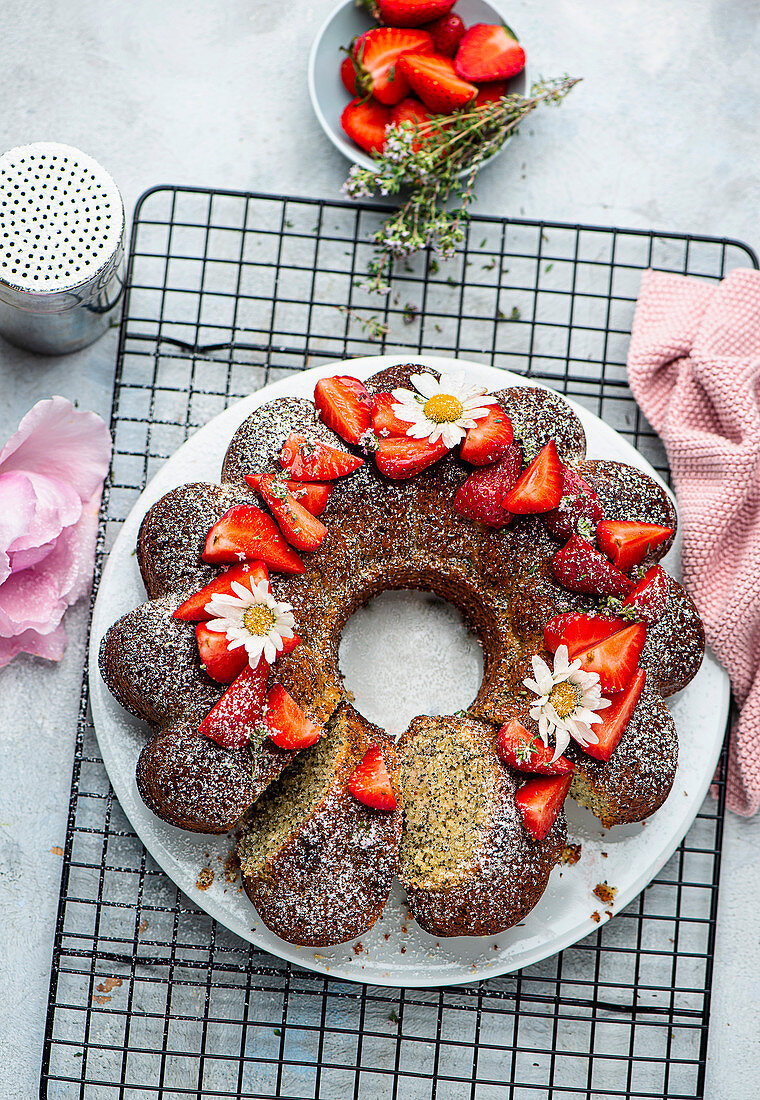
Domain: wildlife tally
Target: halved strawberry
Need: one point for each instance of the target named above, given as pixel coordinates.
(247, 573)
(446, 32)
(491, 92)
(579, 508)
(616, 717)
(627, 543)
(581, 568)
(288, 726)
(489, 52)
(314, 495)
(365, 122)
(234, 719)
(309, 460)
(616, 658)
(436, 82)
(489, 440)
(384, 420)
(221, 664)
(411, 110)
(302, 530)
(578, 631)
(539, 802)
(649, 599)
(376, 54)
(245, 532)
(526, 752)
(370, 782)
(400, 457)
(344, 405)
(481, 497)
(348, 76)
(411, 13)
(539, 488)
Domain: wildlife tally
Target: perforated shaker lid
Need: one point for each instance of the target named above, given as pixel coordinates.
(61, 222)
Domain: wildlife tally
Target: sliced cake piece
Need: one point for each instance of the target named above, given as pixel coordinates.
(316, 862)
(467, 863)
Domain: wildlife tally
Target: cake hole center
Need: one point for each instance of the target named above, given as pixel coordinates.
(409, 653)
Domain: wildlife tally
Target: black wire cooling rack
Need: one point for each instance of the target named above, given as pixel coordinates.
(148, 996)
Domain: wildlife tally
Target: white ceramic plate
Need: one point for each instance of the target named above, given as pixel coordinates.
(326, 91)
(635, 853)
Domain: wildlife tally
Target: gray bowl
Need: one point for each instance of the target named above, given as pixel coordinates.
(326, 91)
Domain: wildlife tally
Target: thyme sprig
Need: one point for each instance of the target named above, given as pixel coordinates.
(436, 163)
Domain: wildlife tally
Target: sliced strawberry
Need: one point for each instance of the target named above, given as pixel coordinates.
(376, 54)
(446, 32)
(370, 782)
(489, 440)
(581, 568)
(616, 658)
(247, 573)
(344, 405)
(616, 717)
(401, 457)
(649, 599)
(489, 52)
(245, 532)
(411, 110)
(314, 495)
(526, 752)
(412, 13)
(435, 81)
(491, 92)
(481, 497)
(302, 530)
(221, 664)
(384, 420)
(627, 543)
(578, 631)
(365, 122)
(308, 460)
(579, 509)
(539, 802)
(235, 718)
(539, 488)
(288, 726)
(348, 76)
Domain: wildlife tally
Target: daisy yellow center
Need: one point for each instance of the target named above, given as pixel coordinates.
(564, 698)
(259, 620)
(443, 408)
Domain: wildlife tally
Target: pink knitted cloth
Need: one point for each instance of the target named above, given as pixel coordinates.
(694, 368)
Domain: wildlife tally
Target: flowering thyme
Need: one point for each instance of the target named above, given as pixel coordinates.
(436, 162)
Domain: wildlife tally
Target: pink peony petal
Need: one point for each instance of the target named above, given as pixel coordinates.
(57, 505)
(50, 646)
(17, 505)
(59, 441)
(24, 559)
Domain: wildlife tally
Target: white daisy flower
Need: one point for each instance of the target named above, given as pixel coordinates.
(252, 618)
(568, 700)
(442, 409)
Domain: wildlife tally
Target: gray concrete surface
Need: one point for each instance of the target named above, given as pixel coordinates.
(663, 132)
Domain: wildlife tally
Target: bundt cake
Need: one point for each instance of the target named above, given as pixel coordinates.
(409, 480)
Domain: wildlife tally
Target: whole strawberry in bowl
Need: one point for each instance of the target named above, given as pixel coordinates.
(359, 85)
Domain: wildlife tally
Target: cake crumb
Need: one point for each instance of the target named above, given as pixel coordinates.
(101, 1000)
(387, 936)
(595, 916)
(56, 851)
(109, 984)
(205, 879)
(571, 853)
(142, 926)
(609, 913)
(358, 948)
(605, 893)
(403, 948)
(604, 855)
(231, 867)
